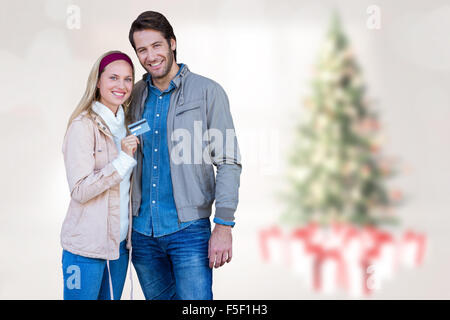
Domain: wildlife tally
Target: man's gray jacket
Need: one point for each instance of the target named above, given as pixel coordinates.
(200, 134)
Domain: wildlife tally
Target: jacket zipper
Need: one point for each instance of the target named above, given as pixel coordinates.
(171, 112)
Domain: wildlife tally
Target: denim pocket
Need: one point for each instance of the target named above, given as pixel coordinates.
(69, 258)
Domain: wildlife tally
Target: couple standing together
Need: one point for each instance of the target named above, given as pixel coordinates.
(130, 199)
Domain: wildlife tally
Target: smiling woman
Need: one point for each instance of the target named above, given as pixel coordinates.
(98, 157)
(104, 68)
(115, 84)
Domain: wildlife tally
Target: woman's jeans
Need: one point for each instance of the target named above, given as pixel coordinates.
(174, 266)
(88, 278)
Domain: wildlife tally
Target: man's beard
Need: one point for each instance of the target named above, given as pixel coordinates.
(169, 62)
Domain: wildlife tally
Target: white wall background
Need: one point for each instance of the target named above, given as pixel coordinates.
(261, 52)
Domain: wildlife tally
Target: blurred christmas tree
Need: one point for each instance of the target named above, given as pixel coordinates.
(337, 172)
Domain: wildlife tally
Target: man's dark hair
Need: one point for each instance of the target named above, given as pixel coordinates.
(155, 21)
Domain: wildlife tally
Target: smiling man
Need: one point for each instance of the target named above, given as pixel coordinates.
(174, 249)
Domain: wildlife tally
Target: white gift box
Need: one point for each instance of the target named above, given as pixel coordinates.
(412, 249)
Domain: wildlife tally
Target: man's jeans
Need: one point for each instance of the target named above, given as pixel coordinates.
(88, 279)
(174, 266)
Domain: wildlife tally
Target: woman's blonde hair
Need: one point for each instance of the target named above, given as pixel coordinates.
(92, 93)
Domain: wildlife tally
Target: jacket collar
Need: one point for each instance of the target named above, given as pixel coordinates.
(99, 122)
(115, 123)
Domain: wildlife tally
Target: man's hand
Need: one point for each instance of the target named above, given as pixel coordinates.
(219, 247)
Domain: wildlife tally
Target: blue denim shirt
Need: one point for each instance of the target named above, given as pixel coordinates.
(157, 214)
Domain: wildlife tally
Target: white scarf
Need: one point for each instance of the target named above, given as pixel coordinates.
(116, 124)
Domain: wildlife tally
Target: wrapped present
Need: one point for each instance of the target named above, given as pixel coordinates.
(301, 261)
(333, 271)
(387, 250)
(342, 256)
(368, 236)
(353, 253)
(329, 270)
(370, 270)
(412, 248)
(273, 245)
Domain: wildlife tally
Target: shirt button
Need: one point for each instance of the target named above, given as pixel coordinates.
(154, 185)
(156, 150)
(157, 114)
(160, 97)
(154, 167)
(153, 201)
(156, 131)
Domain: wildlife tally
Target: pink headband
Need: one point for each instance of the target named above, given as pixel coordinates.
(113, 57)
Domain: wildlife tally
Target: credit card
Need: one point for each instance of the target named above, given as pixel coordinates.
(139, 127)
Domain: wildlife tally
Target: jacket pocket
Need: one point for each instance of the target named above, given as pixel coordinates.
(188, 106)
